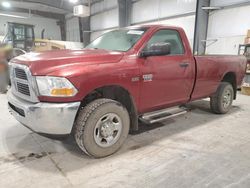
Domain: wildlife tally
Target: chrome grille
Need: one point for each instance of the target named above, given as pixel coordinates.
(23, 84)
(23, 88)
(20, 73)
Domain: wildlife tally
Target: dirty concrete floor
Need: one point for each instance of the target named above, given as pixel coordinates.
(199, 149)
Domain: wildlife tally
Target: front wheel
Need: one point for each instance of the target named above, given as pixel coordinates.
(102, 127)
(222, 100)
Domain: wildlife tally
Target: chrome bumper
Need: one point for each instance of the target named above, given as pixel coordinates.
(46, 118)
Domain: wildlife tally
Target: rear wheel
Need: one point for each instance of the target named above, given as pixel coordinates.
(222, 100)
(102, 127)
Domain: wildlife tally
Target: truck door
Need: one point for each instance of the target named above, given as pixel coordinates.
(166, 80)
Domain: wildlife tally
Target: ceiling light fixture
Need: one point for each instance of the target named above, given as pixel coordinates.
(73, 1)
(12, 15)
(6, 4)
(212, 8)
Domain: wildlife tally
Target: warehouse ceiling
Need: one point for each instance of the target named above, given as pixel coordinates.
(60, 5)
(46, 8)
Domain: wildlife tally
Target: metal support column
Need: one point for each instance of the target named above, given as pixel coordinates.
(124, 7)
(201, 26)
(62, 25)
(84, 24)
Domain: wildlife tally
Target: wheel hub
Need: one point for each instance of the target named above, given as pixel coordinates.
(108, 130)
(227, 98)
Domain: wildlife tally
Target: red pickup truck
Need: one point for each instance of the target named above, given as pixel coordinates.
(100, 93)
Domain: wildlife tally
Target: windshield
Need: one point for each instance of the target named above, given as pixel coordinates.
(118, 40)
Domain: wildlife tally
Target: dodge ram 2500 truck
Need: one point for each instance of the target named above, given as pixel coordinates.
(99, 93)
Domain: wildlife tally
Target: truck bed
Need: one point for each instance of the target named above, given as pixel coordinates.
(211, 69)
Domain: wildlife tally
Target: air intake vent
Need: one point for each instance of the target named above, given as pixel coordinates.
(23, 88)
(21, 74)
(17, 110)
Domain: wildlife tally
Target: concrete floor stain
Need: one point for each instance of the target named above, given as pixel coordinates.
(14, 157)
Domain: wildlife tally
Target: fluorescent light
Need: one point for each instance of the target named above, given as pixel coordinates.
(73, 1)
(14, 16)
(6, 4)
(211, 8)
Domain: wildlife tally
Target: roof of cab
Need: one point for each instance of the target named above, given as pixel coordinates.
(155, 26)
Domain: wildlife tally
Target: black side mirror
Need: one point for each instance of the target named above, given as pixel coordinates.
(157, 49)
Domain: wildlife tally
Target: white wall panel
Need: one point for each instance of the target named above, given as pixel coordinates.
(226, 2)
(229, 26)
(144, 10)
(148, 10)
(52, 30)
(226, 45)
(104, 20)
(72, 29)
(106, 4)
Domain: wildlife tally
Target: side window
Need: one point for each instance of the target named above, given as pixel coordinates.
(168, 36)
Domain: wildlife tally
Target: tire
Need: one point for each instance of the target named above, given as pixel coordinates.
(91, 132)
(221, 101)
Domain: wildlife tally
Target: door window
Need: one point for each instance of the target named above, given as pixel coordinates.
(168, 36)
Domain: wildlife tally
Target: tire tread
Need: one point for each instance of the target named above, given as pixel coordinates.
(215, 99)
(83, 116)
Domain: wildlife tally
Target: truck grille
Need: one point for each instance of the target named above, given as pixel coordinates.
(23, 88)
(22, 82)
(20, 73)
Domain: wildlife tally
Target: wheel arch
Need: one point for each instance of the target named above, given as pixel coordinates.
(117, 93)
(230, 77)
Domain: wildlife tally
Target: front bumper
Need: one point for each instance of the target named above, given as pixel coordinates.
(46, 118)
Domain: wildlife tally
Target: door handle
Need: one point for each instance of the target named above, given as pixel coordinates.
(184, 64)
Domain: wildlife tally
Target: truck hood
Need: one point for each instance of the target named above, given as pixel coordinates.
(45, 63)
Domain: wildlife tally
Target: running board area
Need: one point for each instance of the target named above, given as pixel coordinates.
(161, 115)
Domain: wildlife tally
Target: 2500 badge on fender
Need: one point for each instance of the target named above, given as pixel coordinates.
(99, 93)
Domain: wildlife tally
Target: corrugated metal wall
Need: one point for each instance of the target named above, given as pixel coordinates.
(228, 25)
(104, 16)
(72, 29)
(171, 12)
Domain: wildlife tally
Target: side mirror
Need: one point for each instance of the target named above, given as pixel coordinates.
(157, 49)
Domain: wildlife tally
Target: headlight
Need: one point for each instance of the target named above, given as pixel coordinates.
(55, 86)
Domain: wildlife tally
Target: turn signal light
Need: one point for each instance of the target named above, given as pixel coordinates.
(62, 92)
